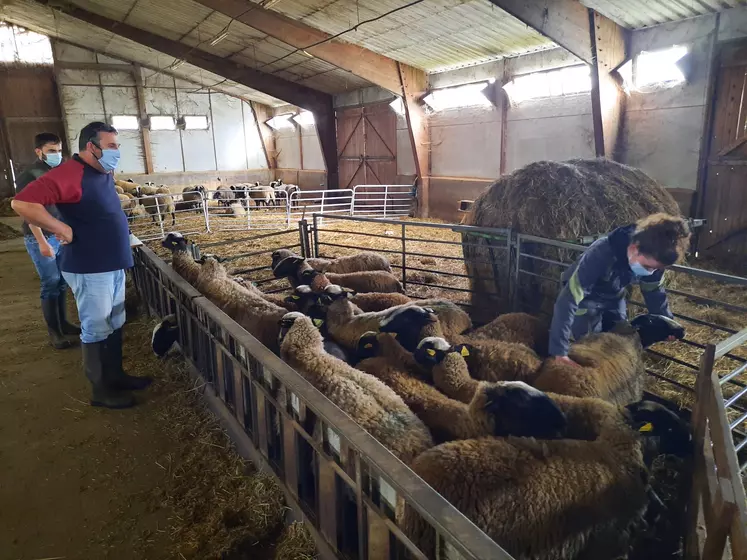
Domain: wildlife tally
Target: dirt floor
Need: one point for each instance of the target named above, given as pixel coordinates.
(157, 481)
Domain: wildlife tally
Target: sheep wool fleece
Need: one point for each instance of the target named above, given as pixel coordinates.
(88, 203)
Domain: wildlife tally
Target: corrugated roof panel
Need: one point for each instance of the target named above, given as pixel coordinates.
(34, 16)
(642, 13)
(170, 18)
(433, 35)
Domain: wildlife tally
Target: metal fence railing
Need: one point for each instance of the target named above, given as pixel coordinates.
(509, 271)
(386, 201)
(340, 480)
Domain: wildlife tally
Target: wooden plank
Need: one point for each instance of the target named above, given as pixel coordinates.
(290, 456)
(376, 68)
(262, 114)
(326, 128)
(327, 501)
(413, 88)
(137, 73)
(315, 101)
(723, 513)
(565, 22)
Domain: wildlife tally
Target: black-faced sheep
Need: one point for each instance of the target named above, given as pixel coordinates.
(555, 499)
(258, 316)
(610, 367)
(370, 281)
(373, 405)
(193, 197)
(262, 194)
(181, 259)
(516, 327)
(347, 324)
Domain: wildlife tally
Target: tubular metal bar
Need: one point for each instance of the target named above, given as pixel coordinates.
(686, 318)
(731, 343)
(729, 376)
(735, 397)
(255, 253)
(535, 275)
(448, 522)
(552, 242)
(670, 381)
(548, 261)
(442, 273)
(418, 240)
(252, 238)
(708, 301)
(452, 227)
(719, 277)
(443, 287)
(730, 356)
(738, 421)
(673, 359)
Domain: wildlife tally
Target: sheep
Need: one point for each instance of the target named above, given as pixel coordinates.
(165, 335)
(224, 195)
(129, 187)
(193, 197)
(368, 401)
(452, 319)
(521, 328)
(262, 195)
(555, 499)
(259, 317)
(610, 367)
(347, 324)
(181, 259)
(119, 189)
(371, 281)
(149, 189)
(487, 360)
(237, 210)
(166, 201)
(360, 262)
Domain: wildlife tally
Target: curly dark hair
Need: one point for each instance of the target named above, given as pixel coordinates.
(662, 237)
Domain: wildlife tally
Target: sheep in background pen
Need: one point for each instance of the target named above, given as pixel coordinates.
(368, 401)
(566, 499)
(167, 203)
(129, 187)
(192, 197)
(360, 262)
(262, 195)
(280, 187)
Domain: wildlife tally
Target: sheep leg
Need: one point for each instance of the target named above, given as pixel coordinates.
(173, 219)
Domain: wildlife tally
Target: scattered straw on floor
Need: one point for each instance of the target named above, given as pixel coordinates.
(7, 232)
(296, 543)
(222, 506)
(5, 209)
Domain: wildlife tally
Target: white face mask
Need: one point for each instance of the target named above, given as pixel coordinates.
(639, 270)
(53, 159)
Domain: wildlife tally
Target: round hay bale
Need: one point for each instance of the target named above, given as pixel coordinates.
(556, 200)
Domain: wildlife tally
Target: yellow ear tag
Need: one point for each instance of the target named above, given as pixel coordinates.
(430, 352)
(647, 427)
(394, 335)
(368, 346)
(464, 351)
(318, 322)
(295, 297)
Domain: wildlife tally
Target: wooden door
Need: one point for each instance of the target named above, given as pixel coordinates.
(367, 145)
(724, 196)
(29, 104)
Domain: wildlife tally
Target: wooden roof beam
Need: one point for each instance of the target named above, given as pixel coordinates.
(364, 63)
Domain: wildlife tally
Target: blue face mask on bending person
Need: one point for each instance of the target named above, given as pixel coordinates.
(640, 270)
(53, 159)
(109, 159)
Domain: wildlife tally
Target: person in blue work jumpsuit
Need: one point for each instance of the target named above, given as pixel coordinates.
(594, 287)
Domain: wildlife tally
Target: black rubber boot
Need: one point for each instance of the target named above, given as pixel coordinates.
(95, 366)
(66, 328)
(51, 317)
(120, 379)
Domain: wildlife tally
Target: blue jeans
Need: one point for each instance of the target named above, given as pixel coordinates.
(100, 299)
(52, 283)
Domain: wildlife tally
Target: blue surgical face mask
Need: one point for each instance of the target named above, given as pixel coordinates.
(53, 159)
(640, 270)
(109, 159)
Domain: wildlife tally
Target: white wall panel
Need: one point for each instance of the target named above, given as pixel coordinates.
(167, 151)
(255, 153)
(228, 131)
(70, 53)
(312, 150)
(199, 154)
(75, 122)
(132, 152)
(120, 100)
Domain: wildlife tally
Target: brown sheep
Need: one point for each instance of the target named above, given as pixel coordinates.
(610, 367)
(259, 317)
(368, 401)
(521, 328)
(360, 262)
(554, 499)
(452, 319)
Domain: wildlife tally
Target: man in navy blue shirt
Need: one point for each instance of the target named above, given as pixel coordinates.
(95, 254)
(593, 295)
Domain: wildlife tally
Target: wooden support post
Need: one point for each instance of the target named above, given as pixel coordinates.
(327, 130)
(413, 88)
(262, 113)
(505, 102)
(609, 43)
(137, 74)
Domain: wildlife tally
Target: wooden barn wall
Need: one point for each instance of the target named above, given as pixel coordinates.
(229, 150)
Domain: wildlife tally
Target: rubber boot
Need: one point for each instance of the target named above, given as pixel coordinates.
(120, 379)
(95, 366)
(51, 317)
(66, 328)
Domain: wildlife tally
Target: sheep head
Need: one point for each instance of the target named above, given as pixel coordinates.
(281, 254)
(333, 292)
(175, 241)
(368, 345)
(662, 430)
(516, 409)
(287, 267)
(656, 328)
(165, 334)
(431, 351)
(407, 323)
(298, 330)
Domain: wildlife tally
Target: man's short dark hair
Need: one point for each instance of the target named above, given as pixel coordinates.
(90, 133)
(44, 138)
(662, 237)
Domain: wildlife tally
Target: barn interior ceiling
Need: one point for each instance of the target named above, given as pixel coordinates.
(430, 35)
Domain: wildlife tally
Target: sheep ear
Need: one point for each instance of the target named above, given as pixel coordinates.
(464, 350)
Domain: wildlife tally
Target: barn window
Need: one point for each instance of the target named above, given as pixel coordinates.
(280, 121)
(195, 122)
(162, 122)
(20, 45)
(469, 95)
(304, 118)
(125, 122)
(652, 70)
(538, 85)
